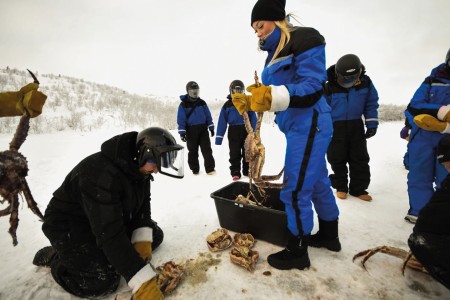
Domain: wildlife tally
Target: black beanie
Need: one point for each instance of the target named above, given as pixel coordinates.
(443, 154)
(268, 10)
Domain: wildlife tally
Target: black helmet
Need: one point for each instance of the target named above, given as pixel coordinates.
(236, 87)
(192, 89)
(348, 70)
(157, 145)
(447, 58)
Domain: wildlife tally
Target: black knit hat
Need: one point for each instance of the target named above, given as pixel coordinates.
(443, 153)
(268, 10)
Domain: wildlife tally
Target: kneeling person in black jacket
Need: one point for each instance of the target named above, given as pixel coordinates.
(99, 221)
(430, 240)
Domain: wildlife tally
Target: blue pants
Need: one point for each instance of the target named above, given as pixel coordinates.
(307, 175)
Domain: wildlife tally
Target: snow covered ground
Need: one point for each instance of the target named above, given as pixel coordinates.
(187, 214)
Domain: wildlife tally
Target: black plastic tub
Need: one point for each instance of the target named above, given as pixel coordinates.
(266, 222)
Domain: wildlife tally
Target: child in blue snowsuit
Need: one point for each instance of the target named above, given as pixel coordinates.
(292, 87)
(431, 98)
(237, 133)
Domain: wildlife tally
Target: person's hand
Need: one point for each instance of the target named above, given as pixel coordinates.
(241, 102)
(144, 249)
(404, 133)
(261, 99)
(444, 113)
(183, 137)
(148, 290)
(370, 132)
(430, 123)
(30, 100)
(212, 132)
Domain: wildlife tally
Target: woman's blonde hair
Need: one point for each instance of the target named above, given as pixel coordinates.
(286, 27)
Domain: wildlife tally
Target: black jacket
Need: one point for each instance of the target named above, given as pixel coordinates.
(102, 200)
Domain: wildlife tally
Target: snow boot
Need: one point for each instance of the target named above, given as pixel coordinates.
(44, 257)
(295, 255)
(327, 236)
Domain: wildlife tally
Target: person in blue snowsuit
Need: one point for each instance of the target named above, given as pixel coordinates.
(292, 80)
(404, 134)
(431, 98)
(351, 95)
(194, 120)
(237, 133)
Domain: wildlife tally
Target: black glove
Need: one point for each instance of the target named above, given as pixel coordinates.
(370, 132)
(212, 132)
(183, 137)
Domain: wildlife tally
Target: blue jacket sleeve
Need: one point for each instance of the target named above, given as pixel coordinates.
(221, 126)
(252, 117)
(181, 120)
(371, 108)
(209, 120)
(310, 69)
(420, 103)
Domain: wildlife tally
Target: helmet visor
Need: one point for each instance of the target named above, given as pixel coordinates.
(194, 93)
(347, 81)
(237, 90)
(171, 161)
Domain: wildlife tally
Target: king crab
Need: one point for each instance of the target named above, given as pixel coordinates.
(255, 156)
(13, 170)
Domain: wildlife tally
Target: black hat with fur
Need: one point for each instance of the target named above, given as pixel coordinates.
(268, 10)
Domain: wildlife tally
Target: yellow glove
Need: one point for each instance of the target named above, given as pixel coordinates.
(30, 100)
(8, 101)
(430, 123)
(261, 99)
(148, 291)
(144, 249)
(241, 102)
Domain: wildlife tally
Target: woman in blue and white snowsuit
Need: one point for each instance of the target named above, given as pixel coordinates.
(424, 169)
(292, 87)
(237, 133)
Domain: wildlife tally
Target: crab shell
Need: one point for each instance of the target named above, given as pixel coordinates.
(168, 276)
(244, 239)
(244, 257)
(219, 240)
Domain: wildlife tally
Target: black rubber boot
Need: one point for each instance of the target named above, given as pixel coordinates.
(158, 235)
(327, 236)
(295, 255)
(44, 257)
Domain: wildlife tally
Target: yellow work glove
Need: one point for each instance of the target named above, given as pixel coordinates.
(144, 249)
(8, 101)
(444, 113)
(430, 123)
(241, 102)
(261, 99)
(148, 291)
(30, 100)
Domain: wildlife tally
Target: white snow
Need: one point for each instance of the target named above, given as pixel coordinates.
(187, 214)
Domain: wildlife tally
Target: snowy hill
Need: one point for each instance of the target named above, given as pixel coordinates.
(187, 214)
(76, 104)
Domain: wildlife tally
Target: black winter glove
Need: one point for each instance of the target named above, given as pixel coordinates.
(370, 132)
(183, 137)
(212, 132)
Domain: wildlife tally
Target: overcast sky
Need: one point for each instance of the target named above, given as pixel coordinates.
(156, 47)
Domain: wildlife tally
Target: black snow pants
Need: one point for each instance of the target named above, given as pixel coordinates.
(236, 138)
(198, 136)
(349, 146)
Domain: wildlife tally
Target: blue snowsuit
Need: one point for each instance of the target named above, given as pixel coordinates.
(349, 145)
(237, 134)
(424, 169)
(307, 125)
(194, 119)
